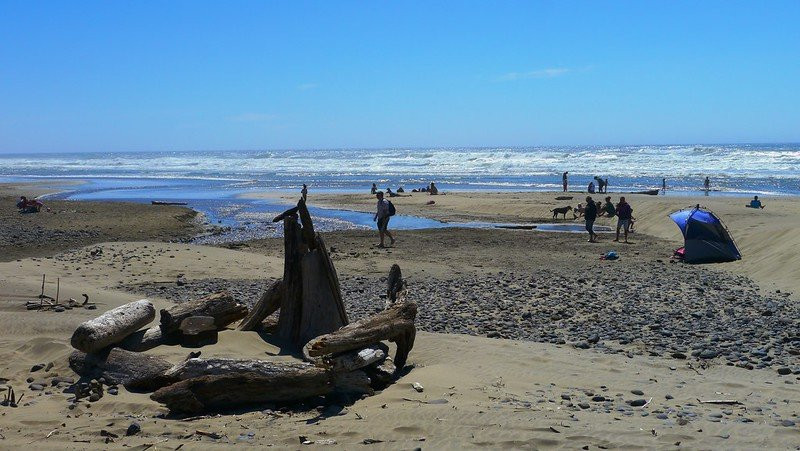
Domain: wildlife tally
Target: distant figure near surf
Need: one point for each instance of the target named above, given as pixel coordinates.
(564, 181)
(707, 184)
(755, 203)
(433, 190)
(304, 192)
(663, 186)
(590, 188)
(374, 189)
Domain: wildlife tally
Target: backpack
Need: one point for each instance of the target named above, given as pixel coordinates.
(392, 210)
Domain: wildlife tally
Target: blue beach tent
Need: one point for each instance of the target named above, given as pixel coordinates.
(706, 240)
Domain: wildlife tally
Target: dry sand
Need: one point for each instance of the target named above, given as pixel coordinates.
(479, 392)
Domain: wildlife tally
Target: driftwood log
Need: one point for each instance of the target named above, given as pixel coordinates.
(134, 370)
(146, 339)
(112, 326)
(395, 324)
(225, 391)
(196, 367)
(381, 373)
(268, 304)
(220, 306)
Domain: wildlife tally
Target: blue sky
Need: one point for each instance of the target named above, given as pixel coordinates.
(154, 75)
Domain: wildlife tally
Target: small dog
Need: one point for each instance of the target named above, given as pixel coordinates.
(561, 211)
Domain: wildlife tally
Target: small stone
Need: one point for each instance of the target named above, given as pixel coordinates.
(94, 397)
(133, 429)
(36, 387)
(637, 402)
(787, 423)
(784, 371)
(678, 355)
(418, 387)
(37, 367)
(708, 354)
(637, 392)
(583, 405)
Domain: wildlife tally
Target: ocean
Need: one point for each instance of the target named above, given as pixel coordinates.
(212, 181)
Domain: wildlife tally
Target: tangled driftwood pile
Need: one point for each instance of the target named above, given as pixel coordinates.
(338, 357)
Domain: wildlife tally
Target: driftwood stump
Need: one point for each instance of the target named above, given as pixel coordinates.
(112, 326)
(220, 306)
(311, 304)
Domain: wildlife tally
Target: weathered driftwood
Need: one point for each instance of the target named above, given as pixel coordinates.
(193, 368)
(227, 391)
(221, 306)
(311, 304)
(147, 339)
(112, 326)
(195, 325)
(321, 311)
(134, 370)
(394, 284)
(352, 383)
(268, 304)
(395, 324)
(353, 360)
(291, 301)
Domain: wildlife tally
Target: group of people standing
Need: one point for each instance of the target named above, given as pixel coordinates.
(622, 211)
(600, 187)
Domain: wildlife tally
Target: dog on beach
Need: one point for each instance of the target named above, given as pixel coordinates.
(561, 211)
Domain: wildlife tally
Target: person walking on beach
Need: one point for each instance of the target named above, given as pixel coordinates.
(605, 185)
(374, 189)
(624, 215)
(304, 192)
(382, 215)
(589, 215)
(707, 184)
(564, 180)
(664, 186)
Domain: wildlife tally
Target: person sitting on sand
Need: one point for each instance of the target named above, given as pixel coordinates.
(590, 188)
(23, 202)
(433, 190)
(374, 189)
(26, 205)
(401, 190)
(624, 216)
(589, 215)
(608, 210)
(578, 211)
(382, 216)
(755, 203)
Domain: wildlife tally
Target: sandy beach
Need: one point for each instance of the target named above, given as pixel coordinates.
(526, 339)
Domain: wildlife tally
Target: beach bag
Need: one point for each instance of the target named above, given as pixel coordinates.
(392, 210)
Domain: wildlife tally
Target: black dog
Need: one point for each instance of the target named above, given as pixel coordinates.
(561, 211)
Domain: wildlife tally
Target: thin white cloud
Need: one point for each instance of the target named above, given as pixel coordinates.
(307, 86)
(253, 117)
(541, 73)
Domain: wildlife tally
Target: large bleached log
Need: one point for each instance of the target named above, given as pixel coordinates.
(221, 306)
(321, 311)
(136, 371)
(193, 368)
(396, 324)
(147, 339)
(359, 358)
(268, 304)
(227, 391)
(112, 326)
